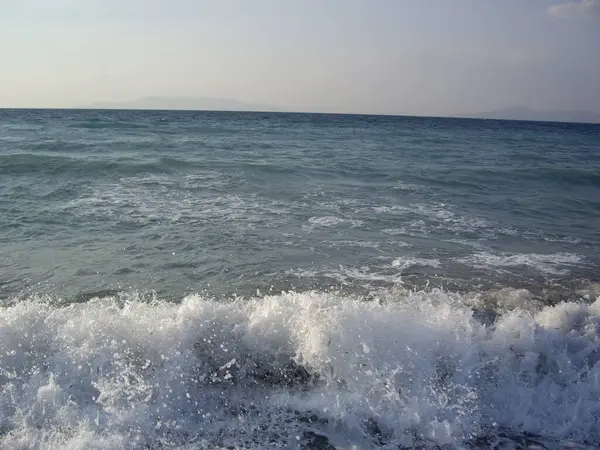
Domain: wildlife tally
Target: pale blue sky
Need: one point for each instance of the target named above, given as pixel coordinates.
(377, 56)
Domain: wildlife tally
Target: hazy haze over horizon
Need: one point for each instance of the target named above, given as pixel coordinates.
(429, 57)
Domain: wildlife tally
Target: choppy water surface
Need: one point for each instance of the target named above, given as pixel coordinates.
(196, 279)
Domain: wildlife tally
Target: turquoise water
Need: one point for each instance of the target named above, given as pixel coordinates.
(196, 279)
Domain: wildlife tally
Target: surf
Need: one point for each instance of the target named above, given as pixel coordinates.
(403, 368)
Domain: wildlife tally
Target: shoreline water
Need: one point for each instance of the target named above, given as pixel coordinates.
(424, 368)
(204, 280)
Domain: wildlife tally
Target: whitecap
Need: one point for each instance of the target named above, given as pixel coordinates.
(409, 369)
(552, 264)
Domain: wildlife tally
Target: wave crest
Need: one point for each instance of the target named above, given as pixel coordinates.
(404, 368)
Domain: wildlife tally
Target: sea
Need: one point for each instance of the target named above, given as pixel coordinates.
(202, 280)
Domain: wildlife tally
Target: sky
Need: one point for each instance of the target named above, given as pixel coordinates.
(423, 57)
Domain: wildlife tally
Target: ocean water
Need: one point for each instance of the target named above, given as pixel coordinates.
(253, 280)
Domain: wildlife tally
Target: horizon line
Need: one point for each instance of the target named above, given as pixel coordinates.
(329, 113)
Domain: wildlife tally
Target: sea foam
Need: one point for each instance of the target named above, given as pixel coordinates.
(404, 368)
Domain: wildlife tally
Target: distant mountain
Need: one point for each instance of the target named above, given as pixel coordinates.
(184, 103)
(524, 113)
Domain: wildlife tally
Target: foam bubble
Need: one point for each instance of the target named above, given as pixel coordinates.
(351, 275)
(327, 221)
(332, 221)
(405, 263)
(408, 368)
(548, 263)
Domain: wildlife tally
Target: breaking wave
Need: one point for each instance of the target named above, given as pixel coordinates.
(404, 368)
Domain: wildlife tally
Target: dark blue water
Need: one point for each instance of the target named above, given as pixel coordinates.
(432, 251)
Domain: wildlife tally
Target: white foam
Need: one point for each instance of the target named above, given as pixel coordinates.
(350, 275)
(395, 209)
(510, 299)
(562, 239)
(115, 373)
(154, 199)
(394, 231)
(405, 263)
(332, 221)
(327, 221)
(358, 243)
(552, 264)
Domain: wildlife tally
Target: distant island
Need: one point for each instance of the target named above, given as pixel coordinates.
(184, 103)
(524, 113)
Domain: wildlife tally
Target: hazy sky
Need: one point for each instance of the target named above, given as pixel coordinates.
(377, 56)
